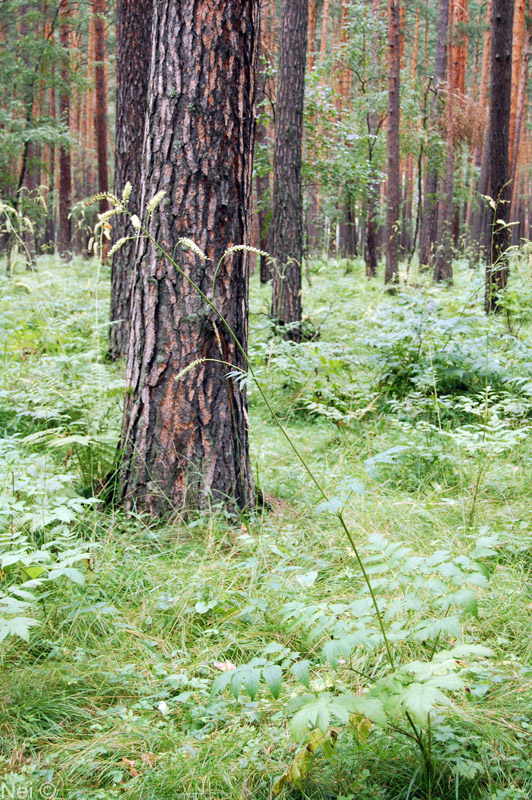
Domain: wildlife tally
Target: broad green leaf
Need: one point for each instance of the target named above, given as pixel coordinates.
(251, 682)
(421, 698)
(300, 671)
(17, 626)
(273, 676)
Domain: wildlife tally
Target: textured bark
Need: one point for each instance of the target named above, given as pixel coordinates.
(287, 223)
(100, 115)
(65, 162)
(429, 220)
(263, 188)
(499, 128)
(521, 105)
(443, 261)
(312, 24)
(517, 58)
(133, 43)
(373, 124)
(391, 274)
(185, 441)
(481, 156)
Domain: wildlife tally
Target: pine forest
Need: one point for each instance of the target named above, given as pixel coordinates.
(265, 399)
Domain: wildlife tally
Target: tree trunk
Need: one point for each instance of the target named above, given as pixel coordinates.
(391, 274)
(100, 116)
(287, 224)
(65, 163)
(499, 127)
(133, 42)
(262, 183)
(443, 261)
(184, 437)
(429, 219)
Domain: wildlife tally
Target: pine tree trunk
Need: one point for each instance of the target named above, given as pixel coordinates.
(499, 128)
(429, 221)
(443, 261)
(287, 223)
(65, 162)
(100, 116)
(133, 42)
(263, 188)
(391, 274)
(185, 439)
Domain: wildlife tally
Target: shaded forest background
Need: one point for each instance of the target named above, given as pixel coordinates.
(57, 142)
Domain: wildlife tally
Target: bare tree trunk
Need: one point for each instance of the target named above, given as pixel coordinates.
(100, 116)
(133, 41)
(65, 163)
(184, 436)
(443, 261)
(287, 224)
(391, 274)
(499, 125)
(429, 220)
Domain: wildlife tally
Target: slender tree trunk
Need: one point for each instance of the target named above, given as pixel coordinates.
(100, 116)
(443, 261)
(517, 60)
(184, 436)
(429, 219)
(391, 274)
(499, 184)
(65, 163)
(287, 232)
(481, 156)
(263, 188)
(373, 183)
(133, 42)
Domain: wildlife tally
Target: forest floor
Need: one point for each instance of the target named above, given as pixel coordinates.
(188, 660)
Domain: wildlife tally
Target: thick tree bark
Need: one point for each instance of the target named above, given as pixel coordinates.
(65, 161)
(287, 224)
(184, 437)
(133, 43)
(100, 115)
(391, 274)
(429, 221)
(499, 128)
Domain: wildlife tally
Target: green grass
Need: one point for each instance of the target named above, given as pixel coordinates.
(111, 696)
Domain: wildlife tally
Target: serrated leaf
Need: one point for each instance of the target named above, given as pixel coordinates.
(251, 682)
(221, 682)
(370, 707)
(421, 698)
(236, 682)
(273, 677)
(17, 626)
(300, 671)
(75, 575)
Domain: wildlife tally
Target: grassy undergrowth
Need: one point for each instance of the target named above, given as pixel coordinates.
(196, 659)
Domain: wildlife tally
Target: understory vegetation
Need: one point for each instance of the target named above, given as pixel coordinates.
(215, 658)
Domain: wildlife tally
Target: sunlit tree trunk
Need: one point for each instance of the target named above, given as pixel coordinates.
(184, 436)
